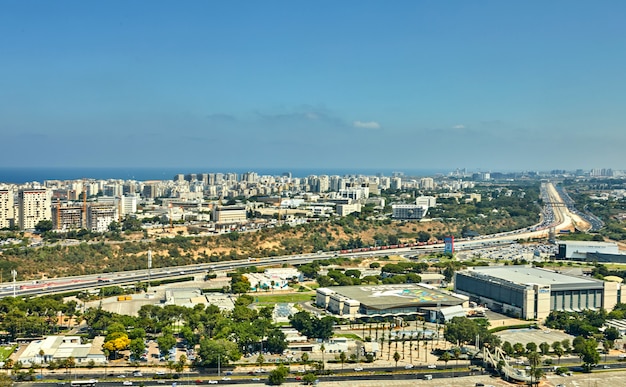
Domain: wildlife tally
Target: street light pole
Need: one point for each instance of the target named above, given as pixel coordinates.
(14, 274)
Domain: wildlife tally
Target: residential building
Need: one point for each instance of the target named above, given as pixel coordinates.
(408, 211)
(34, 206)
(7, 217)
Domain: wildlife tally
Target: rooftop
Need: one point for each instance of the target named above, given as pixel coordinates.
(397, 295)
(531, 275)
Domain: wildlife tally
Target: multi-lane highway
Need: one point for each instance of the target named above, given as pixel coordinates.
(556, 216)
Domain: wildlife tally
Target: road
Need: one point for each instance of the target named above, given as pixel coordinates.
(558, 216)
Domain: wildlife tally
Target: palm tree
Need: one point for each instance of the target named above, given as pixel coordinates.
(322, 348)
(445, 357)
(260, 359)
(305, 359)
(382, 343)
(456, 352)
(342, 358)
(403, 344)
(534, 359)
(411, 348)
(419, 335)
(41, 355)
(396, 357)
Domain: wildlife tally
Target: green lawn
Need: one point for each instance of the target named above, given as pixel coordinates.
(282, 298)
(349, 336)
(5, 352)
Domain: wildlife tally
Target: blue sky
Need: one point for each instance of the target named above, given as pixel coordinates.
(487, 85)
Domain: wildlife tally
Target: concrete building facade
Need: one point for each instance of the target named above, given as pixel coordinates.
(408, 211)
(7, 217)
(532, 293)
(34, 206)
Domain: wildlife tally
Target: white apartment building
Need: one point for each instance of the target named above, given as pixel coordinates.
(408, 211)
(347, 209)
(7, 216)
(229, 214)
(34, 206)
(428, 201)
(427, 183)
(99, 217)
(128, 205)
(396, 183)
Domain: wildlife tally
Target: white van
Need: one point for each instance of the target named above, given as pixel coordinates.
(428, 377)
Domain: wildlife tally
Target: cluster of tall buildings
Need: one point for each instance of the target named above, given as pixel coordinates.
(94, 204)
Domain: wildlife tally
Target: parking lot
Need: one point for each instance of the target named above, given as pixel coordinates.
(536, 336)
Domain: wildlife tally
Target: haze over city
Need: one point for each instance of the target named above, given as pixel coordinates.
(485, 85)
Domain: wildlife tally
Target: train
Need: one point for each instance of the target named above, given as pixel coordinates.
(46, 285)
(386, 247)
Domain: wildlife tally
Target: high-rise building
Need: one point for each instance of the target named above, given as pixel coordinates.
(34, 206)
(427, 183)
(7, 217)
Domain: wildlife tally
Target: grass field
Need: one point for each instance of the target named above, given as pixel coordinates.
(5, 352)
(282, 298)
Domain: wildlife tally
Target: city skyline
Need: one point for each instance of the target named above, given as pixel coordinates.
(283, 85)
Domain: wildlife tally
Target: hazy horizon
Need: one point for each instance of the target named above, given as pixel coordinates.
(364, 85)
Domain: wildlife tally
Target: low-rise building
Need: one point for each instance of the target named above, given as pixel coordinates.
(59, 348)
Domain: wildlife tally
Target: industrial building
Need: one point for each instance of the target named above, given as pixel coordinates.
(589, 251)
(532, 293)
(386, 300)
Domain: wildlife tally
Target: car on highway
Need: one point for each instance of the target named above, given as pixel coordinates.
(127, 383)
(357, 369)
(211, 381)
(408, 366)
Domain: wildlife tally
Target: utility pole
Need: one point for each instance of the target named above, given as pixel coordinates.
(14, 274)
(149, 269)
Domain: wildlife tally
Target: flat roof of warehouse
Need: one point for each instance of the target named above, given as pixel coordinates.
(532, 275)
(397, 295)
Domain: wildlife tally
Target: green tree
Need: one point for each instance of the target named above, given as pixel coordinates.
(396, 358)
(445, 357)
(260, 360)
(305, 359)
(277, 376)
(342, 358)
(44, 225)
(518, 348)
(507, 347)
(558, 350)
(137, 347)
(531, 347)
(588, 353)
(212, 350)
(166, 341)
(534, 359)
(545, 348)
(308, 378)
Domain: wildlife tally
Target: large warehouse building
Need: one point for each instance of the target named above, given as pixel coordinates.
(532, 293)
(578, 250)
(589, 251)
(386, 300)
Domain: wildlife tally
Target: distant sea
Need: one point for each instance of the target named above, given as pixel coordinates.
(24, 175)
